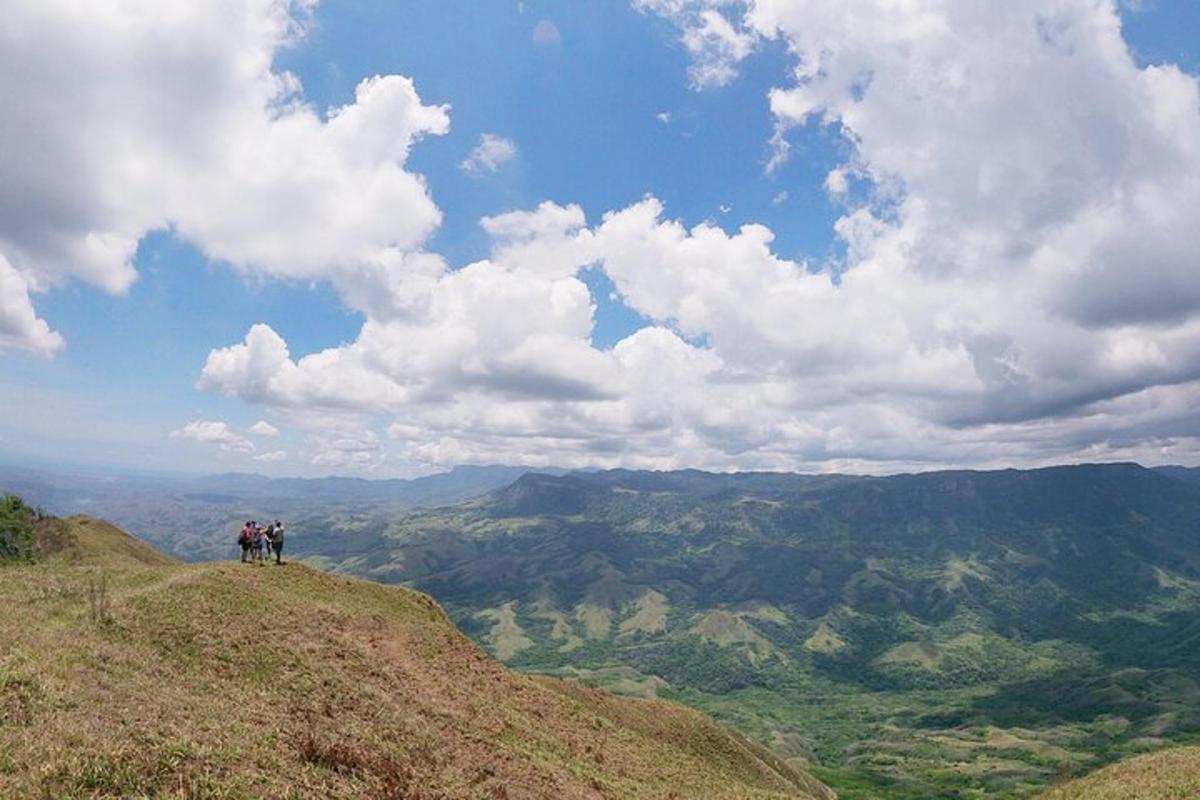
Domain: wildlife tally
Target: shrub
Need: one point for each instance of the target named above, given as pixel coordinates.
(16, 530)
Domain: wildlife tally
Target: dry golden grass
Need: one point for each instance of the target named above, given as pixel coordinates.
(86, 541)
(240, 681)
(1167, 775)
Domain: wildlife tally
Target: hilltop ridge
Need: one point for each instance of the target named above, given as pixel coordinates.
(1172, 774)
(83, 540)
(237, 681)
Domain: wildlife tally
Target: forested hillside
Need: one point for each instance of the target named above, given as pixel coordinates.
(966, 633)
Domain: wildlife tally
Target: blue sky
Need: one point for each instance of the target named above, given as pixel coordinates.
(603, 114)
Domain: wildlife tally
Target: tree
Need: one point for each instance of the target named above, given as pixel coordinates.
(16, 530)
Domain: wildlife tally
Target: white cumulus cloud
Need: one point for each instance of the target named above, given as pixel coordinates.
(264, 428)
(1026, 249)
(216, 433)
(169, 115)
(20, 327)
(489, 155)
(354, 448)
(715, 44)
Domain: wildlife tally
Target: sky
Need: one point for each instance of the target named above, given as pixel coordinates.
(384, 239)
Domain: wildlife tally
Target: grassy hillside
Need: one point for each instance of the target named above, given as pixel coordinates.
(85, 541)
(956, 634)
(125, 675)
(1170, 775)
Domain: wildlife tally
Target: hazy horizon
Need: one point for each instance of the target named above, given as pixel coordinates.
(102, 470)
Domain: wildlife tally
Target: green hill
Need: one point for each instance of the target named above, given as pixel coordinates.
(955, 634)
(123, 675)
(1169, 775)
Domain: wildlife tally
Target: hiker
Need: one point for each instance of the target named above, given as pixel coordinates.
(277, 540)
(260, 544)
(245, 540)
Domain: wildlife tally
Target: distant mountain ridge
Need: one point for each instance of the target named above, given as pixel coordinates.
(195, 518)
(452, 486)
(1191, 474)
(1022, 610)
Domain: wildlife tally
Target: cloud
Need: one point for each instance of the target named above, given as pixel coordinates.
(261, 370)
(20, 327)
(264, 428)
(514, 326)
(546, 34)
(715, 44)
(882, 361)
(1019, 279)
(1014, 278)
(836, 181)
(358, 449)
(273, 457)
(552, 240)
(189, 128)
(217, 433)
(489, 155)
(664, 117)
(959, 130)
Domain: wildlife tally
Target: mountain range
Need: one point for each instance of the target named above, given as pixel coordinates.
(951, 634)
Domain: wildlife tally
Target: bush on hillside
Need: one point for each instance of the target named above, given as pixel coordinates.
(16, 530)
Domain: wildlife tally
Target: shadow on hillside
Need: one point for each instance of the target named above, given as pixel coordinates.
(1166, 700)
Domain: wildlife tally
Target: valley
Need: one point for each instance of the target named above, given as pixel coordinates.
(959, 635)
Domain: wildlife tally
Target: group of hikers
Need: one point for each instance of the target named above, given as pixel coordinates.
(256, 541)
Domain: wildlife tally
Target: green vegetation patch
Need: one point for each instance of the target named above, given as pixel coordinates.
(507, 637)
(16, 530)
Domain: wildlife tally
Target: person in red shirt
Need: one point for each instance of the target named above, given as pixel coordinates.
(246, 540)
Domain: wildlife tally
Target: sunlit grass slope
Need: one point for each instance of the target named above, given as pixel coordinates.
(123, 674)
(85, 541)
(1167, 775)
